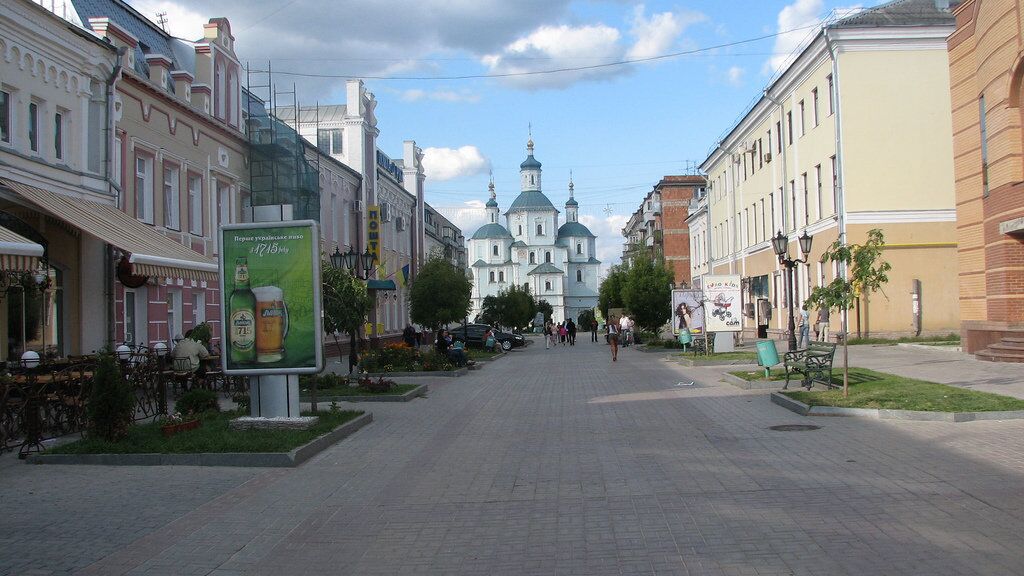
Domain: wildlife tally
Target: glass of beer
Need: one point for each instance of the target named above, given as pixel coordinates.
(271, 323)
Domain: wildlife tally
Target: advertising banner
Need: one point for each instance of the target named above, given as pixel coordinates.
(270, 290)
(373, 230)
(688, 310)
(722, 304)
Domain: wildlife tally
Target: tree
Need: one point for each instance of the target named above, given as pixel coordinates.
(866, 274)
(647, 294)
(516, 306)
(111, 404)
(545, 307)
(490, 310)
(345, 302)
(439, 295)
(610, 293)
(585, 319)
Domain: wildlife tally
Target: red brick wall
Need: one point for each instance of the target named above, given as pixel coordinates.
(676, 193)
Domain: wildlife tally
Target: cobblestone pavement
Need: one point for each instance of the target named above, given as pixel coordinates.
(553, 462)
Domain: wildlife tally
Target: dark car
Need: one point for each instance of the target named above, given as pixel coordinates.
(473, 336)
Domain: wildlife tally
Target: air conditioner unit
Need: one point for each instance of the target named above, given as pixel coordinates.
(767, 156)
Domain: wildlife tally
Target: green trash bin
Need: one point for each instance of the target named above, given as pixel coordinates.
(767, 355)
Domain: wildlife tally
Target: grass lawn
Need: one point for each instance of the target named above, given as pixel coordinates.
(870, 389)
(947, 339)
(480, 354)
(350, 391)
(776, 374)
(212, 436)
(752, 356)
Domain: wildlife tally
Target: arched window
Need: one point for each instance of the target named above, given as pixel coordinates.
(579, 248)
(501, 276)
(492, 218)
(531, 178)
(547, 285)
(492, 277)
(494, 250)
(540, 229)
(547, 257)
(533, 257)
(219, 91)
(520, 229)
(579, 275)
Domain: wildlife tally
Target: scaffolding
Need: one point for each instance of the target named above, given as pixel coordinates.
(279, 171)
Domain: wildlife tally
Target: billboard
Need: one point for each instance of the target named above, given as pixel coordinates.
(722, 303)
(270, 290)
(688, 310)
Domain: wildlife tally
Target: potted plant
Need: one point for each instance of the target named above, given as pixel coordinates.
(175, 423)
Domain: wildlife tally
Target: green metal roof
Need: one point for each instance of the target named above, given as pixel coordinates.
(531, 200)
(492, 203)
(530, 163)
(380, 284)
(491, 230)
(545, 268)
(575, 229)
(519, 244)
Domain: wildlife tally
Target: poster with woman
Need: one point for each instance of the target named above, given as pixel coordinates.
(688, 310)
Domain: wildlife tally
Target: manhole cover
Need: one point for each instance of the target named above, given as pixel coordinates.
(793, 427)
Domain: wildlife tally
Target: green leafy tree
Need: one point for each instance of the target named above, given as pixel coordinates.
(345, 302)
(610, 293)
(866, 274)
(585, 319)
(545, 307)
(111, 403)
(490, 310)
(647, 294)
(517, 307)
(439, 295)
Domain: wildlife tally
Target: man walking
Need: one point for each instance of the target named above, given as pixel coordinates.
(571, 328)
(593, 330)
(821, 328)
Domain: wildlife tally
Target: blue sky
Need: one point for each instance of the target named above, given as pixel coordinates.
(619, 129)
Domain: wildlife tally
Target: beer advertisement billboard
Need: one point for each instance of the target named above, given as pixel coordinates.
(270, 298)
(723, 307)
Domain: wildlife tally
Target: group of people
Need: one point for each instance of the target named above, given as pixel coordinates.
(564, 332)
(821, 326)
(454, 350)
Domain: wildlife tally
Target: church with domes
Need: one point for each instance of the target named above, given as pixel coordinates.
(529, 248)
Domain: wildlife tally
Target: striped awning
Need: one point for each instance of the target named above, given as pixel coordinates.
(151, 253)
(17, 253)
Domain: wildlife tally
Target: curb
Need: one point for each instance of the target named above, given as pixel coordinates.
(420, 390)
(690, 363)
(940, 348)
(240, 459)
(751, 384)
(437, 374)
(886, 414)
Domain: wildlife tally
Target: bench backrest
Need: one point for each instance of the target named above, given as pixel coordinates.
(821, 348)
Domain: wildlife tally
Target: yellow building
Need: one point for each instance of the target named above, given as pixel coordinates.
(853, 134)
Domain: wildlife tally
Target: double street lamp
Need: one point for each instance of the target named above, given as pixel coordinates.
(780, 244)
(355, 263)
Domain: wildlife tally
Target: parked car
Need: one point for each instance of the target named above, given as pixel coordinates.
(473, 336)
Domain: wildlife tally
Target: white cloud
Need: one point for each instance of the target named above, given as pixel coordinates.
(181, 21)
(441, 164)
(735, 75)
(608, 230)
(801, 17)
(468, 217)
(416, 94)
(564, 47)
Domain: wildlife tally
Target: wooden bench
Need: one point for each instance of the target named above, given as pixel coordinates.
(814, 363)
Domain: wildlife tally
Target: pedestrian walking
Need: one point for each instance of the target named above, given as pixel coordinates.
(563, 333)
(547, 335)
(571, 329)
(821, 328)
(805, 327)
(613, 338)
(593, 330)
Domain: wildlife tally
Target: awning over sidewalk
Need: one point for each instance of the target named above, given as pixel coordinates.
(380, 284)
(18, 253)
(151, 253)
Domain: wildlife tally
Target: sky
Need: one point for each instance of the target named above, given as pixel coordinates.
(616, 92)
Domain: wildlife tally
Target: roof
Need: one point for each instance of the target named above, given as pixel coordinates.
(593, 261)
(571, 202)
(530, 163)
(492, 203)
(491, 230)
(575, 229)
(545, 268)
(531, 200)
(312, 114)
(519, 244)
(899, 13)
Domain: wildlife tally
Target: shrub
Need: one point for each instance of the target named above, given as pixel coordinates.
(197, 402)
(242, 402)
(202, 333)
(378, 386)
(433, 361)
(392, 358)
(111, 403)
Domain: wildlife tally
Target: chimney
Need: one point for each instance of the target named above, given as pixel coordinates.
(117, 36)
(201, 97)
(159, 69)
(183, 84)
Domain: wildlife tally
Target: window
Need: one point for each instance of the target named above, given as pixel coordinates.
(769, 140)
(807, 203)
(173, 313)
(814, 106)
(540, 229)
(792, 203)
(579, 275)
(492, 276)
(547, 285)
(118, 159)
(195, 204)
(129, 316)
(982, 121)
(789, 127)
(579, 248)
(760, 154)
(831, 96)
(533, 257)
(501, 276)
(5, 117)
(520, 230)
(33, 126)
(764, 224)
(223, 202)
(835, 185)
(328, 140)
(334, 219)
(817, 179)
(172, 204)
(778, 135)
(219, 91)
(494, 250)
(803, 123)
(144, 188)
(547, 257)
(745, 240)
(58, 136)
(198, 307)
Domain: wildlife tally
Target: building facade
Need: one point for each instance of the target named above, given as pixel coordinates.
(443, 238)
(556, 262)
(643, 230)
(851, 136)
(986, 64)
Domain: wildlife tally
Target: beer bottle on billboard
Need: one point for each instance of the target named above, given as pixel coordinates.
(242, 316)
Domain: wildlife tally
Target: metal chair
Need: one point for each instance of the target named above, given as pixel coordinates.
(183, 374)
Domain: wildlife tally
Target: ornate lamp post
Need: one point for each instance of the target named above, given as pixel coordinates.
(160, 348)
(780, 244)
(359, 265)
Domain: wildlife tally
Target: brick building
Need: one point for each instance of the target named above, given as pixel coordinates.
(676, 192)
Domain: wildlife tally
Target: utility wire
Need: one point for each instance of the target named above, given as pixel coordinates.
(553, 71)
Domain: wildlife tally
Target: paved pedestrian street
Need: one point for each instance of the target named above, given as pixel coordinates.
(552, 462)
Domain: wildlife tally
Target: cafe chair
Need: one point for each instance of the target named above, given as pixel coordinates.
(183, 375)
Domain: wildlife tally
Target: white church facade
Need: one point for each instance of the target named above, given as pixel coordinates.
(557, 262)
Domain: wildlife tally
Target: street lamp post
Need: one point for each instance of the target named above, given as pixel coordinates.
(354, 263)
(780, 244)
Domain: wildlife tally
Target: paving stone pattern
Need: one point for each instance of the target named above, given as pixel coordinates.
(549, 463)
